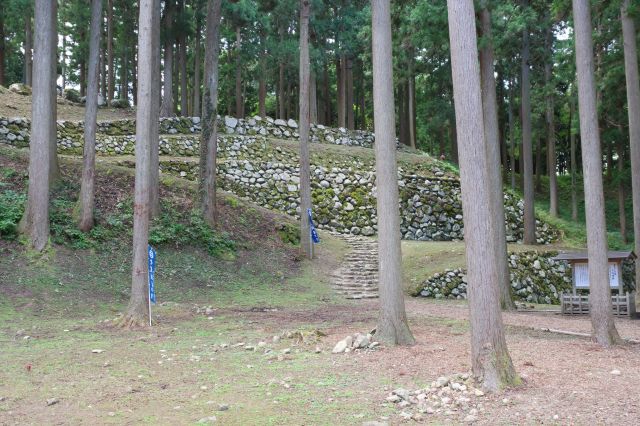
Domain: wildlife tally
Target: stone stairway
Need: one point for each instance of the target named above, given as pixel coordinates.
(357, 277)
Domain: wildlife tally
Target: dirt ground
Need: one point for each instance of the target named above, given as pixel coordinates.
(14, 105)
(180, 371)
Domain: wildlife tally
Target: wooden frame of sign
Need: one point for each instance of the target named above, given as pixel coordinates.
(578, 304)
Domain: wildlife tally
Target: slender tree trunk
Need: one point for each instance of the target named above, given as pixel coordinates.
(574, 164)
(138, 309)
(86, 199)
(341, 83)
(313, 99)
(621, 192)
(209, 139)
(326, 94)
(633, 101)
(111, 76)
(2, 46)
(239, 99)
(167, 109)
(526, 155)
(604, 329)
(35, 222)
(63, 58)
(54, 168)
(411, 103)
(349, 94)
(490, 358)
(103, 63)
(512, 140)
(305, 169)
(184, 108)
(363, 117)
(281, 97)
(551, 130)
(454, 141)
(492, 141)
(262, 81)
(197, 63)
(402, 114)
(154, 150)
(392, 327)
(27, 49)
(538, 165)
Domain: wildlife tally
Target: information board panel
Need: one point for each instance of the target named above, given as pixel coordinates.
(581, 275)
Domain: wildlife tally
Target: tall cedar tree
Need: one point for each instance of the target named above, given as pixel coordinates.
(490, 358)
(138, 309)
(604, 329)
(305, 168)
(393, 327)
(86, 199)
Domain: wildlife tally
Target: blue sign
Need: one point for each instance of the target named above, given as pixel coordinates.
(314, 234)
(152, 271)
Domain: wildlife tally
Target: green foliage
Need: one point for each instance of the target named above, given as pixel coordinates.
(11, 208)
(289, 233)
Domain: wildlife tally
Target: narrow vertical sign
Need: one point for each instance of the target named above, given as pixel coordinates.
(152, 271)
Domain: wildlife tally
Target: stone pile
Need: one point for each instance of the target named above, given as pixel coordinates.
(355, 342)
(455, 397)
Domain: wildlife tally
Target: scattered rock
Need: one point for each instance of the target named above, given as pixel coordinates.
(52, 401)
(20, 89)
(97, 351)
(223, 407)
(207, 420)
(615, 372)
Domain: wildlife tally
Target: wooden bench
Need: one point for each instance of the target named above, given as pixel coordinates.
(577, 304)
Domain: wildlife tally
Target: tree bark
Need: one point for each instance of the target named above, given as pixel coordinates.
(313, 99)
(86, 199)
(209, 139)
(411, 104)
(111, 76)
(492, 142)
(2, 47)
(184, 96)
(604, 329)
(349, 93)
(512, 137)
(551, 129)
(167, 108)
(574, 164)
(154, 151)
(239, 99)
(526, 154)
(28, 42)
(262, 81)
(138, 308)
(633, 101)
(54, 168)
(196, 71)
(326, 95)
(341, 102)
(538, 165)
(281, 96)
(35, 222)
(305, 169)
(621, 192)
(392, 327)
(490, 358)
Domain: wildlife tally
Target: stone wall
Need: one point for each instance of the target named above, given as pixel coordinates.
(535, 278)
(343, 191)
(115, 134)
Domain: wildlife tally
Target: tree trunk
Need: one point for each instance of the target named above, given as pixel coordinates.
(196, 71)
(63, 58)
(154, 151)
(262, 81)
(392, 327)
(54, 168)
(35, 222)
(492, 142)
(103, 64)
(184, 96)
(111, 76)
(239, 100)
(313, 99)
(411, 104)
(402, 114)
(167, 109)
(27, 49)
(633, 101)
(512, 138)
(490, 358)
(305, 169)
(86, 199)
(621, 192)
(574, 164)
(281, 97)
(604, 329)
(341, 77)
(326, 94)
(526, 155)
(349, 93)
(138, 308)
(454, 141)
(551, 130)
(539, 165)
(209, 139)
(2, 46)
